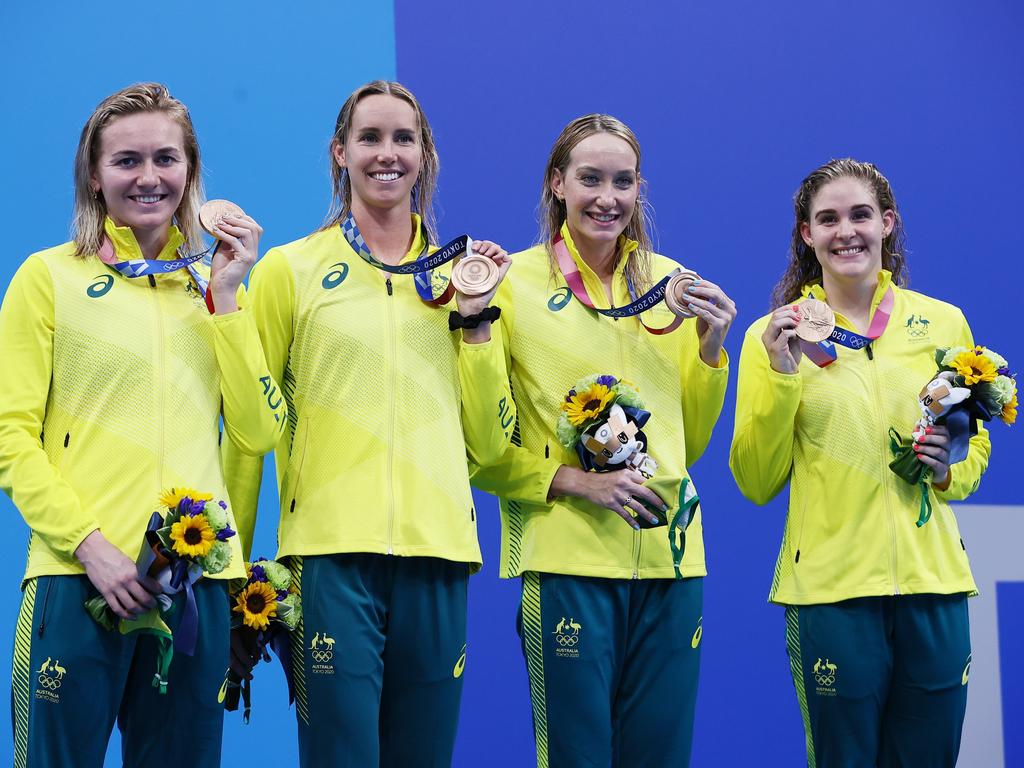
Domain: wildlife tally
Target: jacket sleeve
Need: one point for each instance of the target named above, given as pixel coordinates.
(703, 389)
(514, 472)
(488, 411)
(965, 477)
(47, 502)
(271, 299)
(766, 404)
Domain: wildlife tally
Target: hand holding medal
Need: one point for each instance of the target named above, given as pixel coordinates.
(476, 277)
(237, 249)
(714, 310)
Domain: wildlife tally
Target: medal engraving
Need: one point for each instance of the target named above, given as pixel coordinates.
(817, 321)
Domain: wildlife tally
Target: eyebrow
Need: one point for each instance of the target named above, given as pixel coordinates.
(136, 152)
(854, 208)
(591, 169)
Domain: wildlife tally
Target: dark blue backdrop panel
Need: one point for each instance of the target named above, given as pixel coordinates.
(734, 103)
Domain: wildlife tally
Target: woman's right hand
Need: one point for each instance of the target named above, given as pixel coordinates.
(245, 652)
(622, 491)
(780, 339)
(115, 577)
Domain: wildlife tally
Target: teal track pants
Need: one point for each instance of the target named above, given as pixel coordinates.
(378, 659)
(613, 667)
(881, 681)
(72, 679)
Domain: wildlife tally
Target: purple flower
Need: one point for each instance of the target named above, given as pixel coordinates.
(607, 381)
(1004, 371)
(282, 594)
(184, 506)
(196, 508)
(258, 574)
(223, 504)
(225, 533)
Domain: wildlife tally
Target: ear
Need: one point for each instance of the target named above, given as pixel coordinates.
(558, 185)
(805, 233)
(338, 153)
(888, 222)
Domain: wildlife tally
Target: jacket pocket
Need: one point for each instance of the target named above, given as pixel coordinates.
(296, 461)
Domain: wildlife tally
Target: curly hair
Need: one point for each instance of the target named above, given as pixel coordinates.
(803, 267)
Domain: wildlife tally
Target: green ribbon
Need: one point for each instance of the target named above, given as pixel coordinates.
(906, 466)
(685, 509)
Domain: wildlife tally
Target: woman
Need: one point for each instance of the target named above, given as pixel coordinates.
(876, 605)
(377, 518)
(112, 391)
(610, 632)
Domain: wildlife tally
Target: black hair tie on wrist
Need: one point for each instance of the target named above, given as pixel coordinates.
(455, 320)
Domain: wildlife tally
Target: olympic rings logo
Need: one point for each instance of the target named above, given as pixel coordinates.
(322, 657)
(50, 683)
(567, 641)
(825, 680)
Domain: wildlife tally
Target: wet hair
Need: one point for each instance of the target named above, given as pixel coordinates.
(803, 267)
(90, 207)
(552, 212)
(426, 183)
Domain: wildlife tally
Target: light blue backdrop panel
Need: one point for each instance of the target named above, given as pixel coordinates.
(733, 103)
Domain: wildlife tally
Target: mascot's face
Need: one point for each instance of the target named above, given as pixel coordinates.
(939, 395)
(613, 441)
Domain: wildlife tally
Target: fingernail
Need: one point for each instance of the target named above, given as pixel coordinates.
(927, 430)
(693, 306)
(690, 289)
(698, 280)
(917, 447)
(664, 507)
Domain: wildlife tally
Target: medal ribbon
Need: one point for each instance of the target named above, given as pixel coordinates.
(824, 353)
(143, 267)
(573, 278)
(422, 269)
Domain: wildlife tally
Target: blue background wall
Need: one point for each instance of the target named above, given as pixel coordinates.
(734, 102)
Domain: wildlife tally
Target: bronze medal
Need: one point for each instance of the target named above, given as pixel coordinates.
(475, 275)
(676, 298)
(817, 321)
(213, 212)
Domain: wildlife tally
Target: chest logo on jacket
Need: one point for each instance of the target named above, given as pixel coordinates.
(100, 288)
(49, 677)
(560, 299)
(567, 638)
(825, 677)
(917, 327)
(336, 276)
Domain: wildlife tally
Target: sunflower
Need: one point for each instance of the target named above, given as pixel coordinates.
(193, 536)
(257, 603)
(581, 407)
(1009, 414)
(974, 366)
(173, 497)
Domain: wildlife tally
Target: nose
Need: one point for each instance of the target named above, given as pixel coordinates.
(386, 152)
(605, 197)
(846, 229)
(148, 176)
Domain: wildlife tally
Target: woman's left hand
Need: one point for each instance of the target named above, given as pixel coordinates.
(472, 305)
(715, 312)
(932, 449)
(238, 250)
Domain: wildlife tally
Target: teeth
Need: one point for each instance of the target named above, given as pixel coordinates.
(848, 251)
(603, 217)
(147, 198)
(393, 176)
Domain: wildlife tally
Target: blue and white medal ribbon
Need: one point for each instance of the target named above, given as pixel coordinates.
(422, 269)
(133, 268)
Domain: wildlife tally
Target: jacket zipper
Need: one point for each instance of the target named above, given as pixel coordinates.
(46, 599)
(392, 362)
(880, 420)
(638, 539)
(302, 461)
(64, 454)
(160, 384)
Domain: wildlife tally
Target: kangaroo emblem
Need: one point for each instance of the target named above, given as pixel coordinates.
(46, 666)
(560, 627)
(315, 642)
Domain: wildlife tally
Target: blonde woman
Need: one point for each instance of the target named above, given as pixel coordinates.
(611, 617)
(112, 390)
(386, 402)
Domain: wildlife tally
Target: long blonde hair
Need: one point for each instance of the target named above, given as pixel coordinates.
(90, 207)
(426, 183)
(552, 211)
(803, 267)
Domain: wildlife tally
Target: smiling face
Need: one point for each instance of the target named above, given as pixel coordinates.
(141, 171)
(383, 152)
(599, 186)
(846, 231)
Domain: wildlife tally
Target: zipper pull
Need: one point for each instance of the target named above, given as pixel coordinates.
(152, 281)
(871, 355)
(387, 282)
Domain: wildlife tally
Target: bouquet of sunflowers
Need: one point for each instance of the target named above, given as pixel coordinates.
(267, 607)
(970, 384)
(186, 537)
